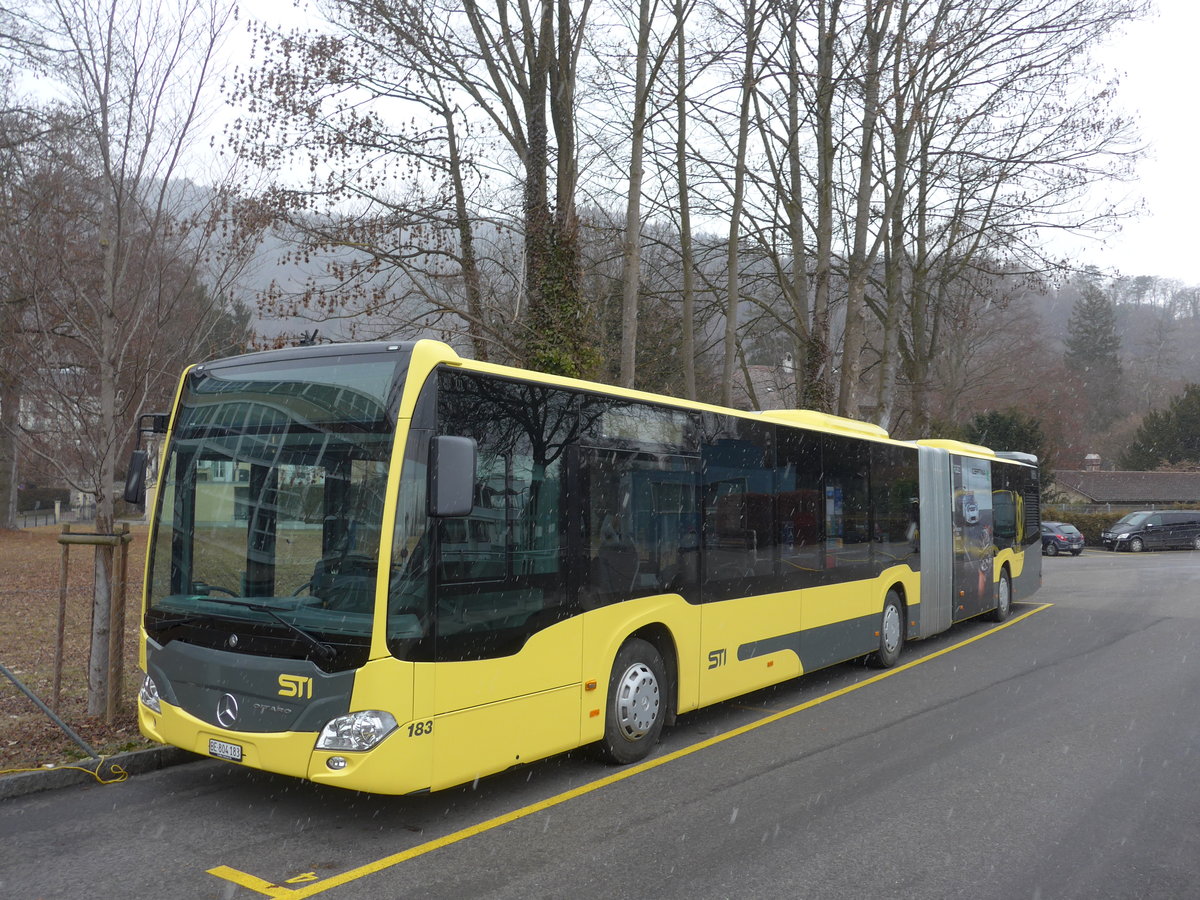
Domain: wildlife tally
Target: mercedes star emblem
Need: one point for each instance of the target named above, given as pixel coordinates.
(227, 711)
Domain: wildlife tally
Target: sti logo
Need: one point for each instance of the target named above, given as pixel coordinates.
(295, 686)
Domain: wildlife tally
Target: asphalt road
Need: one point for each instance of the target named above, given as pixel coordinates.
(1054, 757)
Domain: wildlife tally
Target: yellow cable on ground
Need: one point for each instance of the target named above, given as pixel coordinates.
(118, 771)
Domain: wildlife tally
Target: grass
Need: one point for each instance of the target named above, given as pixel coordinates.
(30, 567)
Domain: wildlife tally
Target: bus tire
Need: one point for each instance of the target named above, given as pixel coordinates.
(891, 633)
(637, 703)
(1003, 597)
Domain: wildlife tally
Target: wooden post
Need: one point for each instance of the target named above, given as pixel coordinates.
(62, 618)
(126, 537)
(116, 612)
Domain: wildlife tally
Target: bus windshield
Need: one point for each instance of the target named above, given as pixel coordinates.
(270, 508)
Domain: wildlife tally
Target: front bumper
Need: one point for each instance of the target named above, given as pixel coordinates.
(391, 767)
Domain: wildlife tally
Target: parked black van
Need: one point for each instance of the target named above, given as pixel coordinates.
(1152, 530)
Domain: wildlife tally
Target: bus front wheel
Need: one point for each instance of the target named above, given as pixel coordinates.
(637, 703)
(891, 633)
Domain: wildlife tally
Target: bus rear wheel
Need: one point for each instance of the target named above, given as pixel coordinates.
(637, 703)
(891, 633)
(1003, 597)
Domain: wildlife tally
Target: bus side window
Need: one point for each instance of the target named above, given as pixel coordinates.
(641, 523)
(741, 543)
(848, 539)
(474, 547)
(1004, 518)
(895, 504)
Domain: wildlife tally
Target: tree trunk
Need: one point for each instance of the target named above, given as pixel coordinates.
(558, 332)
(921, 346)
(889, 364)
(819, 353)
(632, 249)
(10, 404)
(98, 661)
(685, 212)
(797, 285)
(895, 265)
(543, 349)
(476, 325)
(732, 282)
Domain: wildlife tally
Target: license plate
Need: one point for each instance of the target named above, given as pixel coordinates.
(225, 750)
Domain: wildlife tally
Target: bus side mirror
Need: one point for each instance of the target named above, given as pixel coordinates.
(451, 476)
(135, 478)
(139, 459)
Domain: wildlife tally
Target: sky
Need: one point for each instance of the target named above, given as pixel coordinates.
(1159, 84)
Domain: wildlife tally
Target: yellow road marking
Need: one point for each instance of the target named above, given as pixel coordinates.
(270, 889)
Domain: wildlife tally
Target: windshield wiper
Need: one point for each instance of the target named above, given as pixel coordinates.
(181, 620)
(324, 651)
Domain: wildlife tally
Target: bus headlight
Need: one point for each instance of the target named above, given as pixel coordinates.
(356, 731)
(149, 695)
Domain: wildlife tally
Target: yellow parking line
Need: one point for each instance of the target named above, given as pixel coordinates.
(311, 887)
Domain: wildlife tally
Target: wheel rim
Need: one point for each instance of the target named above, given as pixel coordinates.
(1136, 545)
(1005, 598)
(891, 628)
(1196, 543)
(638, 700)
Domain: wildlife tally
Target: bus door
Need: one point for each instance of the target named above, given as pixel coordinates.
(506, 684)
(974, 544)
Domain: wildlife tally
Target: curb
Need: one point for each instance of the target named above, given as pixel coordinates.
(135, 762)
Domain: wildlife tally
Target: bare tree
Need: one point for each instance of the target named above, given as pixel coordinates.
(120, 243)
(1010, 135)
(871, 159)
(394, 174)
(438, 96)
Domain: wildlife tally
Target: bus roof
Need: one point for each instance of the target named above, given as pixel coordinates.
(960, 447)
(810, 418)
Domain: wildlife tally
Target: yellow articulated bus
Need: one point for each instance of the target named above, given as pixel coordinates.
(386, 568)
